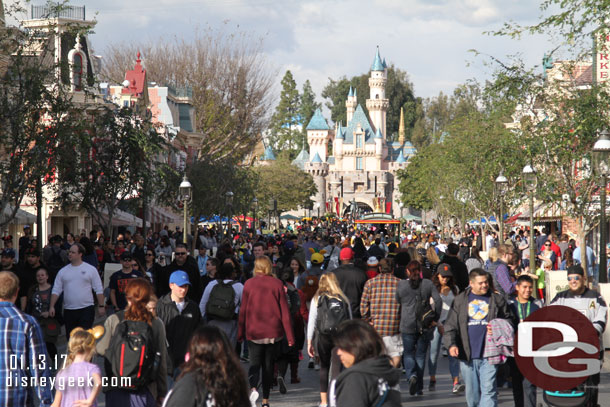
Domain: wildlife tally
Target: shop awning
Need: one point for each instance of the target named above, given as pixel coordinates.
(544, 212)
(378, 221)
(22, 217)
(160, 215)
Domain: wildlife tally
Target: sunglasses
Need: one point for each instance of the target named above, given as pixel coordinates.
(573, 278)
(180, 253)
(547, 245)
(149, 254)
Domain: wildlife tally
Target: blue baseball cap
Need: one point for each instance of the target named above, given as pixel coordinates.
(180, 278)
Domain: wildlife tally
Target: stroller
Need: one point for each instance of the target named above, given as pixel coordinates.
(581, 396)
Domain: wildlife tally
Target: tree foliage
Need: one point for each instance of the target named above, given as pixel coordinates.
(285, 133)
(308, 106)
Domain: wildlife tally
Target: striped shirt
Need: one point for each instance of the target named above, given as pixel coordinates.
(23, 357)
(379, 306)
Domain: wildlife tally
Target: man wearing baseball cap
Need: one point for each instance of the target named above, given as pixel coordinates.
(119, 280)
(351, 279)
(592, 305)
(180, 315)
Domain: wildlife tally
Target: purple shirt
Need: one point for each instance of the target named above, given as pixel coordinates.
(503, 277)
(75, 382)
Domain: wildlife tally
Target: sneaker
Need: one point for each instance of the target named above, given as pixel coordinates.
(420, 393)
(310, 364)
(432, 385)
(458, 388)
(282, 384)
(253, 398)
(412, 385)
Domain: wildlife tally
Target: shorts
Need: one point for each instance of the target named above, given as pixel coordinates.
(393, 345)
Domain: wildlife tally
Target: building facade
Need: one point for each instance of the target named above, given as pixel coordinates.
(362, 164)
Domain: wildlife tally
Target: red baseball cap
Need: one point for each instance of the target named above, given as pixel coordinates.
(346, 253)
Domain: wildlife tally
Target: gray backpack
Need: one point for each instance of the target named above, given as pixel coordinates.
(221, 304)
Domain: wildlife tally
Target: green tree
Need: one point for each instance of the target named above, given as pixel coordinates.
(288, 184)
(308, 106)
(111, 162)
(284, 131)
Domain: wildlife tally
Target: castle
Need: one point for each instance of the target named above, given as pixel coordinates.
(362, 168)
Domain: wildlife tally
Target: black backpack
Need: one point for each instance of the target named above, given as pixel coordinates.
(331, 312)
(132, 353)
(221, 304)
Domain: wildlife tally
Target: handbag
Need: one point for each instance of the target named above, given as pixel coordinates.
(425, 314)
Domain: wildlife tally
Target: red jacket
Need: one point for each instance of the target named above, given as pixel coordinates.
(264, 311)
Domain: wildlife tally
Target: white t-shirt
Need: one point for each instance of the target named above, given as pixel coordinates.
(76, 283)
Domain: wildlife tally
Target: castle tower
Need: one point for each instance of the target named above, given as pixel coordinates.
(318, 135)
(351, 103)
(377, 104)
(319, 171)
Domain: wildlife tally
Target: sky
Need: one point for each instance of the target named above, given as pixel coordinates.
(321, 39)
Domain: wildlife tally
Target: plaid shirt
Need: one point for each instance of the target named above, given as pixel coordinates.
(379, 305)
(23, 356)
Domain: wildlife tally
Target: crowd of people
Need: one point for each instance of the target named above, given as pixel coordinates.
(362, 306)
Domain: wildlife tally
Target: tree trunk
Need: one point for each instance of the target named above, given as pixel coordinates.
(39, 199)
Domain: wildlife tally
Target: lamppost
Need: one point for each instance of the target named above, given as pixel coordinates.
(501, 188)
(601, 162)
(401, 206)
(530, 180)
(318, 208)
(272, 209)
(185, 194)
(255, 205)
(229, 206)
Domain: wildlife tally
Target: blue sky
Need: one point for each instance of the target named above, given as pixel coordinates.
(318, 39)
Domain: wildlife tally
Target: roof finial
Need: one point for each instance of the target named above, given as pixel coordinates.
(138, 60)
(401, 128)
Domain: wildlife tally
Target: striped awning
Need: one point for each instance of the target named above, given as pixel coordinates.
(160, 215)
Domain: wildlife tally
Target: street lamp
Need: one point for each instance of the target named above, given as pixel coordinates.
(229, 205)
(501, 188)
(401, 206)
(601, 162)
(318, 208)
(185, 194)
(530, 181)
(255, 205)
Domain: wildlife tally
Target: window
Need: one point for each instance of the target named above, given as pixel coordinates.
(359, 165)
(77, 72)
(359, 139)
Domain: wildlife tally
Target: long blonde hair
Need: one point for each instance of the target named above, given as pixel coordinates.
(493, 254)
(263, 266)
(432, 256)
(81, 343)
(329, 286)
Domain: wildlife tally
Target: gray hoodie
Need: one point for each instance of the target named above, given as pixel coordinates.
(407, 298)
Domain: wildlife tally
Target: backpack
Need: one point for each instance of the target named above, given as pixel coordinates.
(294, 301)
(221, 304)
(327, 259)
(310, 287)
(331, 312)
(132, 353)
(424, 314)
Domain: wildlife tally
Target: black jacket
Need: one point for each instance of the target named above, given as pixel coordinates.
(456, 324)
(351, 280)
(366, 383)
(178, 326)
(191, 268)
(459, 270)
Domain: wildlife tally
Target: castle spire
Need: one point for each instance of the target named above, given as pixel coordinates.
(401, 128)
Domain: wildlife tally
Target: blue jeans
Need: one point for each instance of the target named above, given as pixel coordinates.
(414, 356)
(480, 379)
(435, 347)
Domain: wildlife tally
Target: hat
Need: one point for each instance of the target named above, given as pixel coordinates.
(445, 270)
(372, 261)
(180, 278)
(126, 255)
(317, 258)
(8, 253)
(346, 253)
(576, 269)
(289, 245)
(8, 238)
(26, 226)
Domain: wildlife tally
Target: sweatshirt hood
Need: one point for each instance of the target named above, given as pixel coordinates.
(380, 367)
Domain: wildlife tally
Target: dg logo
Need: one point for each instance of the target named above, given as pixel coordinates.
(557, 348)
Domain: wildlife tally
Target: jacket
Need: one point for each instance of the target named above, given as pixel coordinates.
(368, 383)
(351, 280)
(264, 312)
(499, 345)
(456, 324)
(407, 298)
(179, 326)
(459, 270)
(590, 303)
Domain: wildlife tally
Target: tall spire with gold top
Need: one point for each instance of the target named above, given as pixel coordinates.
(401, 128)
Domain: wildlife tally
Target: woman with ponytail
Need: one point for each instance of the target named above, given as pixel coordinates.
(212, 374)
(137, 317)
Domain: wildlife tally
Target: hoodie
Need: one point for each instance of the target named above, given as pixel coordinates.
(369, 383)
